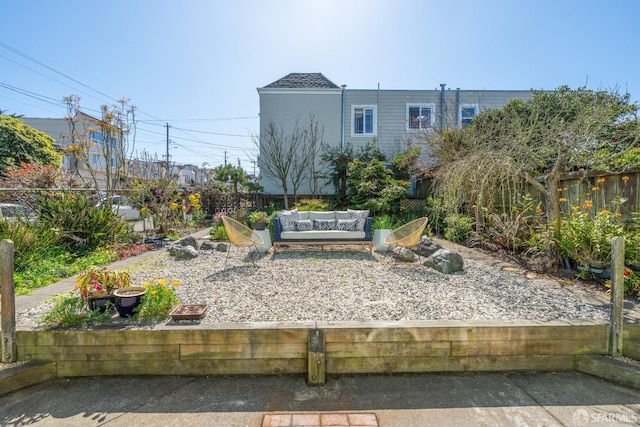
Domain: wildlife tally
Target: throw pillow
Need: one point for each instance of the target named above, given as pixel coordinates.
(303, 225)
(287, 219)
(360, 217)
(324, 224)
(346, 224)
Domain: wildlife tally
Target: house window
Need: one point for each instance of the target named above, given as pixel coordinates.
(95, 159)
(363, 120)
(419, 117)
(96, 136)
(467, 112)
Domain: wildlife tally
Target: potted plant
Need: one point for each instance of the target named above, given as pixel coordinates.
(98, 284)
(382, 226)
(128, 299)
(259, 220)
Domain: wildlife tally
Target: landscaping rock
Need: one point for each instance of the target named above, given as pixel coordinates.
(188, 241)
(426, 247)
(404, 255)
(445, 261)
(183, 252)
(207, 245)
(222, 247)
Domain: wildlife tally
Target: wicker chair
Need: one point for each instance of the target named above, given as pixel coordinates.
(408, 235)
(240, 235)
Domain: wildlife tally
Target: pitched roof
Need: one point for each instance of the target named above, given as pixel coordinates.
(303, 81)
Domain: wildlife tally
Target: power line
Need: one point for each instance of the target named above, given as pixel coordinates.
(24, 55)
(213, 133)
(200, 120)
(59, 103)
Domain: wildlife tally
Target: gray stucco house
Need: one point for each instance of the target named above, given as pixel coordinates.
(391, 119)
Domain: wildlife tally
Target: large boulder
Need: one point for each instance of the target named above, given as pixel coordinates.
(445, 261)
(183, 252)
(207, 245)
(188, 241)
(426, 247)
(404, 254)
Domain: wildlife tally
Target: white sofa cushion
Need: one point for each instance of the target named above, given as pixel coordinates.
(341, 215)
(303, 215)
(322, 215)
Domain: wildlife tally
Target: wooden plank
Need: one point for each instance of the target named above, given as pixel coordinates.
(616, 321)
(243, 351)
(8, 343)
(466, 333)
(389, 349)
(75, 368)
(384, 365)
(158, 337)
(25, 376)
(528, 347)
(316, 358)
(104, 352)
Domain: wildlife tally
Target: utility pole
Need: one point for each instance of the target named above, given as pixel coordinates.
(167, 158)
(225, 158)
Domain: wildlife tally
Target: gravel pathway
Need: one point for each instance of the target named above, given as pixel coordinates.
(351, 285)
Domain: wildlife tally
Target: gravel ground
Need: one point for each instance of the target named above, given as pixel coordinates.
(352, 285)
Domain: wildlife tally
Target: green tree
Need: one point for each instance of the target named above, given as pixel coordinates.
(535, 141)
(338, 160)
(236, 173)
(372, 186)
(20, 143)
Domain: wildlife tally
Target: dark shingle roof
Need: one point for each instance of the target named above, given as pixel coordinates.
(303, 81)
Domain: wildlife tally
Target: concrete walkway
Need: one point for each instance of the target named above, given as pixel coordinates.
(496, 399)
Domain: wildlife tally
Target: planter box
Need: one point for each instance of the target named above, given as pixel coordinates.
(188, 312)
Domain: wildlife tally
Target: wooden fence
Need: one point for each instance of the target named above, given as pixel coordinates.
(614, 192)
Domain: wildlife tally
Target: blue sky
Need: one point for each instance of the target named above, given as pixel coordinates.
(196, 64)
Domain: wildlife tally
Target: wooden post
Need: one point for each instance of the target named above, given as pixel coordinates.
(316, 360)
(8, 307)
(617, 296)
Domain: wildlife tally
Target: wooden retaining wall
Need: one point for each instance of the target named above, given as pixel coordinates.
(334, 348)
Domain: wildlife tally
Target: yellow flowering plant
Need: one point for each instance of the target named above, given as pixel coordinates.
(158, 301)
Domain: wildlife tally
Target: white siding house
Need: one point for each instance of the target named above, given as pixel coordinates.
(390, 119)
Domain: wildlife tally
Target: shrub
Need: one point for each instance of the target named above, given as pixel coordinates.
(69, 310)
(81, 227)
(384, 222)
(311, 205)
(220, 233)
(458, 227)
(510, 230)
(437, 214)
(31, 243)
(588, 240)
(158, 301)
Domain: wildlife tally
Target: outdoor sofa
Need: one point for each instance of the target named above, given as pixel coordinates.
(350, 227)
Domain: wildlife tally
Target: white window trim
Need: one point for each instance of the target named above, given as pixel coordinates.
(461, 106)
(417, 104)
(375, 121)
